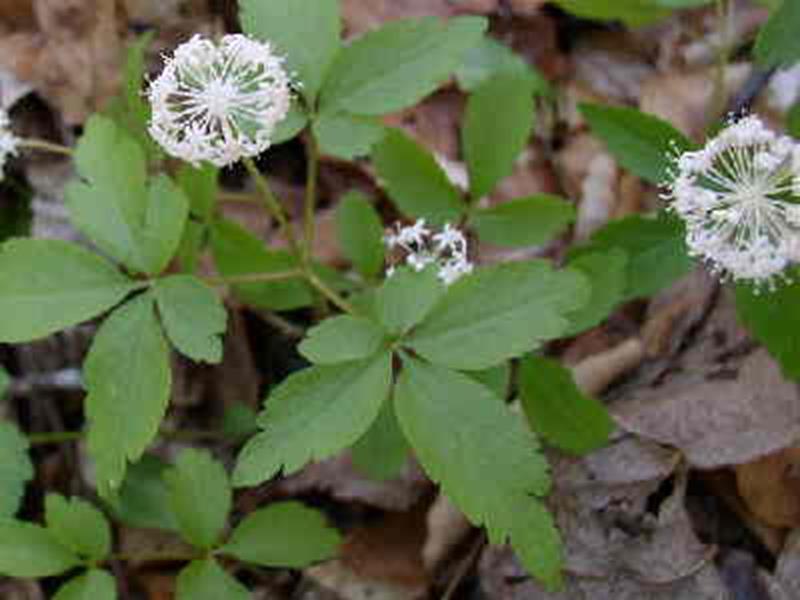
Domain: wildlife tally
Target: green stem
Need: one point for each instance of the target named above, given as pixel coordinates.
(255, 277)
(272, 205)
(330, 294)
(310, 204)
(34, 144)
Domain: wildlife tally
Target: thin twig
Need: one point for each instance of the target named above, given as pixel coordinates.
(35, 144)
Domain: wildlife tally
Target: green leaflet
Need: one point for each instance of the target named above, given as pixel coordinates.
(559, 411)
(15, 468)
(607, 273)
(397, 65)
(347, 136)
(498, 313)
(415, 181)
(360, 233)
(312, 415)
(136, 223)
(642, 143)
(382, 451)
(492, 139)
(777, 41)
(79, 526)
(143, 499)
(205, 580)
(306, 32)
(530, 221)
(128, 379)
(92, 585)
(483, 456)
(341, 339)
(284, 534)
(49, 285)
(655, 250)
(406, 298)
(28, 550)
(772, 319)
(238, 252)
(201, 188)
(193, 316)
(199, 496)
(632, 12)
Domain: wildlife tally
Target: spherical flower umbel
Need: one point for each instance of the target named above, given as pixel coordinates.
(420, 247)
(8, 141)
(219, 102)
(738, 198)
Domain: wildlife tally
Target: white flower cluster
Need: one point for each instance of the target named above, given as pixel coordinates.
(219, 102)
(739, 199)
(8, 141)
(447, 249)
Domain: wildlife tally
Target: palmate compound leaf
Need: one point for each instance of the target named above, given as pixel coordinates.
(128, 379)
(193, 316)
(92, 585)
(29, 550)
(314, 414)
(284, 534)
(485, 458)
(199, 496)
(497, 313)
(558, 410)
(206, 580)
(397, 65)
(137, 223)
(15, 468)
(79, 526)
(48, 285)
(306, 32)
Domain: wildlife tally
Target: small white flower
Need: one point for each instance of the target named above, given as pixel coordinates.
(8, 141)
(447, 250)
(219, 102)
(737, 196)
(450, 239)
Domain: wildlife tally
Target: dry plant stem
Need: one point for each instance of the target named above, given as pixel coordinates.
(719, 99)
(52, 147)
(61, 437)
(238, 197)
(272, 205)
(310, 203)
